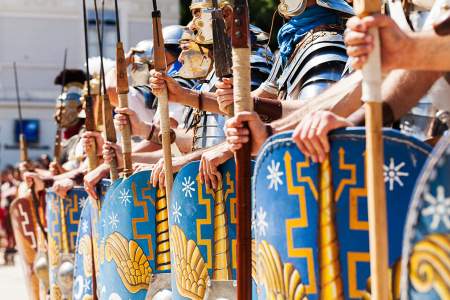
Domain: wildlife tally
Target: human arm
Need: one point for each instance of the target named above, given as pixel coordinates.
(399, 50)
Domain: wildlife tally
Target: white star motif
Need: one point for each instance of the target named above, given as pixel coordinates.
(188, 187)
(87, 285)
(261, 223)
(176, 213)
(393, 174)
(438, 209)
(84, 226)
(113, 221)
(82, 202)
(274, 175)
(125, 197)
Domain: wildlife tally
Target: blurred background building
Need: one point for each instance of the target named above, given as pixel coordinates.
(34, 34)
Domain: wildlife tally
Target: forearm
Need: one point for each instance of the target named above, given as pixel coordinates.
(205, 101)
(401, 91)
(428, 51)
(147, 157)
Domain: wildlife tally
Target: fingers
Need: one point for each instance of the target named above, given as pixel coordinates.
(356, 24)
(305, 139)
(110, 151)
(307, 142)
(157, 170)
(162, 178)
(214, 175)
(201, 169)
(90, 189)
(311, 135)
(240, 118)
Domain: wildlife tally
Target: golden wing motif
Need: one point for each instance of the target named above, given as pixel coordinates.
(131, 262)
(394, 283)
(281, 281)
(54, 252)
(254, 262)
(56, 293)
(429, 265)
(85, 250)
(191, 270)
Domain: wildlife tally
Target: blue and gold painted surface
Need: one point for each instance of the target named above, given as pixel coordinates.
(426, 253)
(292, 222)
(57, 234)
(203, 227)
(130, 234)
(84, 264)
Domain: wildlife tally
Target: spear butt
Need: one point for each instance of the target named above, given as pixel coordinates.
(242, 102)
(376, 193)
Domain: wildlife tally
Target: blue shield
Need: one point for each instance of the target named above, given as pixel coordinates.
(426, 253)
(311, 222)
(63, 217)
(203, 231)
(133, 243)
(86, 254)
(84, 270)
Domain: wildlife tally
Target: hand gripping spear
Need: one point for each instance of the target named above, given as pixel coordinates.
(58, 149)
(375, 160)
(240, 40)
(89, 106)
(122, 91)
(163, 99)
(108, 122)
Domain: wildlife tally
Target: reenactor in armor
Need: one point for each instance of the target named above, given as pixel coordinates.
(205, 118)
(142, 109)
(68, 115)
(429, 116)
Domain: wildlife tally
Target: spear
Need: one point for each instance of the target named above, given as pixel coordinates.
(22, 140)
(24, 153)
(89, 106)
(108, 122)
(58, 137)
(371, 91)
(240, 40)
(221, 47)
(122, 91)
(163, 99)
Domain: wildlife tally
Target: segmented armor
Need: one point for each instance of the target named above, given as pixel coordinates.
(209, 127)
(317, 62)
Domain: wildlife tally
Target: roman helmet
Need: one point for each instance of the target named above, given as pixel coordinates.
(69, 103)
(292, 8)
(201, 23)
(142, 63)
(194, 57)
(143, 54)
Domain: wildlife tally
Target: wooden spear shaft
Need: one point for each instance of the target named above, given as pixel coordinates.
(109, 130)
(122, 91)
(243, 102)
(163, 99)
(372, 81)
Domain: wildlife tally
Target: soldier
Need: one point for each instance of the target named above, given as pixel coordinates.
(142, 109)
(206, 118)
(68, 115)
(311, 132)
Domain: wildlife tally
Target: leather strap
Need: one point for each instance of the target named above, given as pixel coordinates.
(269, 110)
